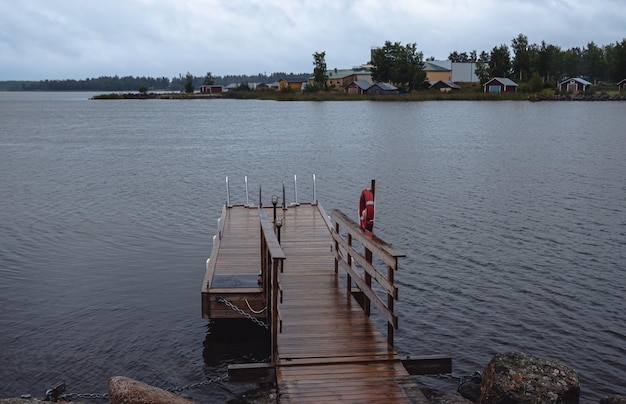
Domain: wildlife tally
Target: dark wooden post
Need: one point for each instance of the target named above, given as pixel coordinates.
(390, 327)
(348, 277)
(336, 249)
(368, 281)
(264, 270)
(275, 319)
(368, 258)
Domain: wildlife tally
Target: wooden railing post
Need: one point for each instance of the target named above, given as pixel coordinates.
(368, 284)
(368, 258)
(336, 249)
(272, 257)
(373, 246)
(275, 315)
(349, 258)
(390, 299)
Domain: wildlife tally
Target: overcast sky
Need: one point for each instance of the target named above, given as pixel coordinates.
(77, 39)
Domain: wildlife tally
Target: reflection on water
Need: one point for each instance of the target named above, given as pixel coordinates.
(235, 341)
(231, 342)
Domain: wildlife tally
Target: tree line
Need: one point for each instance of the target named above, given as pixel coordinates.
(103, 83)
(536, 65)
(547, 63)
(395, 63)
(130, 83)
(401, 65)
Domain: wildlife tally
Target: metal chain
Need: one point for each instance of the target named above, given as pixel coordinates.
(53, 394)
(105, 396)
(196, 385)
(459, 379)
(74, 396)
(243, 313)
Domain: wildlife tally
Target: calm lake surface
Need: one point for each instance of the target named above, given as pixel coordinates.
(512, 216)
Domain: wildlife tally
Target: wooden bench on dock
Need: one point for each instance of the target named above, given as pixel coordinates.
(315, 295)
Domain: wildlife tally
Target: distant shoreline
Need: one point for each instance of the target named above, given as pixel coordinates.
(154, 96)
(336, 96)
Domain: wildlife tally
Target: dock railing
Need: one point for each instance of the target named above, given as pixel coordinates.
(211, 261)
(272, 257)
(346, 255)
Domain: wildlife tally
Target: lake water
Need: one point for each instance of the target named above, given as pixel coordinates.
(512, 216)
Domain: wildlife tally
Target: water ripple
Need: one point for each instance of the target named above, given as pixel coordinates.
(513, 226)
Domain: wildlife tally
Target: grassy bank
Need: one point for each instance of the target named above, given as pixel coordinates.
(469, 93)
(339, 96)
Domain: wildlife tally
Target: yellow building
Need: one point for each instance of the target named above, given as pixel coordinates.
(297, 85)
(340, 78)
(437, 73)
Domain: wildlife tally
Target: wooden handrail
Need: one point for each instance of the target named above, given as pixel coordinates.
(383, 250)
(372, 246)
(210, 264)
(272, 257)
(382, 280)
(326, 218)
(267, 230)
(221, 223)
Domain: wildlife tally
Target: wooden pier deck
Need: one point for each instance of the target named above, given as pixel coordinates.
(326, 348)
(233, 268)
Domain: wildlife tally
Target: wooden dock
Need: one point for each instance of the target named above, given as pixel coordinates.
(325, 348)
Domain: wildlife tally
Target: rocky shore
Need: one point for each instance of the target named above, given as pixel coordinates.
(512, 377)
(155, 96)
(577, 97)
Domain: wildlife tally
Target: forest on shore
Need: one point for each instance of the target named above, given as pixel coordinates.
(131, 83)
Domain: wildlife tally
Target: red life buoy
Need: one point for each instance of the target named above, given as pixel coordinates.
(366, 210)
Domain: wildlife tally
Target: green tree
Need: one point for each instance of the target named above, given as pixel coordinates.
(482, 67)
(535, 84)
(482, 71)
(521, 57)
(382, 61)
(594, 63)
(458, 57)
(549, 63)
(208, 79)
(499, 61)
(319, 71)
(463, 57)
(572, 62)
(401, 65)
(616, 60)
(189, 83)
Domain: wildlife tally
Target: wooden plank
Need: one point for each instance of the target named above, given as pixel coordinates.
(367, 267)
(427, 365)
(235, 291)
(276, 250)
(373, 297)
(385, 251)
(252, 373)
(327, 349)
(369, 359)
(239, 246)
(320, 328)
(252, 303)
(342, 382)
(325, 217)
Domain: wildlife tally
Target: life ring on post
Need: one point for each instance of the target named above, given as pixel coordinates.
(366, 210)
